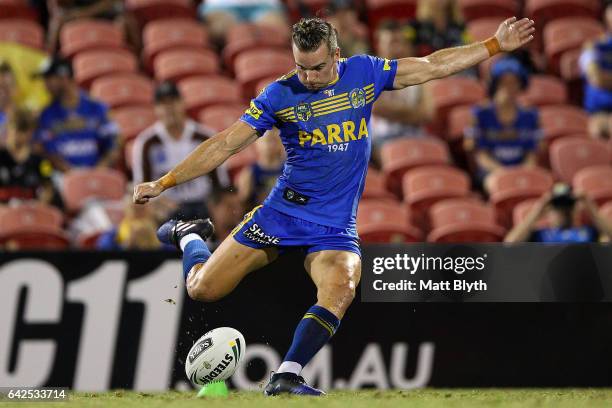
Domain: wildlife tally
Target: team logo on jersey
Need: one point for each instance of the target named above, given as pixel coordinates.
(303, 111)
(357, 98)
(254, 111)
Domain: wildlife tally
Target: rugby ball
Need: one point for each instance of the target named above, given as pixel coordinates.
(215, 356)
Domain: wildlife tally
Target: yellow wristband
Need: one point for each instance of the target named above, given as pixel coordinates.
(168, 181)
(492, 45)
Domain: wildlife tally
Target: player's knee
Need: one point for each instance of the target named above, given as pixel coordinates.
(203, 292)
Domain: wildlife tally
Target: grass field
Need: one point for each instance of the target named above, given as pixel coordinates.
(427, 398)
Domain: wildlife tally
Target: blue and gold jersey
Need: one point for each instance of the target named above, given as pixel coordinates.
(326, 136)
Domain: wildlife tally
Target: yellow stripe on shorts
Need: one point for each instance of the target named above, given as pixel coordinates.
(246, 219)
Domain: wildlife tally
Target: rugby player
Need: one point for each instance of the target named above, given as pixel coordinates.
(322, 109)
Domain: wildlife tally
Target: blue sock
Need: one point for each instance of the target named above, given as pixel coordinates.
(195, 252)
(314, 330)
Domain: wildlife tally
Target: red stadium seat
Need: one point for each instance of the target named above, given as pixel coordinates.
(379, 10)
(523, 208)
(509, 186)
(567, 34)
(543, 11)
(483, 28)
(606, 211)
(21, 31)
(596, 182)
(375, 187)
(245, 37)
(123, 90)
(474, 9)
(454, 91)
(571, 154)
(562, 120)
(17, 9)
(456, 220)
(459, 119)
(201, 92)
(171, 33)
(399, 156)
(174, 65)
(259, 86)
(385, 221)
(128, 154)
(253, 66)
(35, 237)
(30, 215)
(82, 185)
(571, 74)
(544, 90)
(240, 160)
(314, 7)
(149, 10)
(89, 65)
(80, 35)
(133, 119)
(220, 117)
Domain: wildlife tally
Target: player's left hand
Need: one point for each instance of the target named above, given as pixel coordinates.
(513, 34)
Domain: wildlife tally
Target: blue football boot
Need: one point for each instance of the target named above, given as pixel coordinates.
(172, 231)
(289, 383)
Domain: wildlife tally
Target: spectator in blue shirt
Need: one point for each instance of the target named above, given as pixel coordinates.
(503, 133)
(74, 130)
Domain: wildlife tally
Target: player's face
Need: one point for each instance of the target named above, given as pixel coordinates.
(316, 69)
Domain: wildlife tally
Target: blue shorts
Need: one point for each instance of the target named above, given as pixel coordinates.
(264, 227)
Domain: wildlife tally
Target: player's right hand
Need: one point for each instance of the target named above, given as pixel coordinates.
(145, 191)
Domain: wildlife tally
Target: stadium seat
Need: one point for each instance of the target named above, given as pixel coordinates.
(454, 91)
(606, 211)
(385, 222)
(544, 11)
(81, 185)
(475, 9)
(572, 154)
(544, 90)
(201, 92)
(220, 117)
(379, 10)
(570, 73)
(558, 121)
(89, 65)
(459, 118)
(298, 8)
(83, 34)
(259, 86)
(456, 220)
(483, 28)
(171, 33)
(123, 90)
(253, 66)
(174, 65)
(521, 210)
(509, 186)
(245, 37)
(128, 154)
(133, 119)
(30, 214)
(400, 155)
(35, 237)
(375, 187)
(17, 9)
(596, 182)
(149, 10)
(21, 31)
(567, 34)
(240, 160)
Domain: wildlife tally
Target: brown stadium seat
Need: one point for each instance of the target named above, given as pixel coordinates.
(399, 156)
(171, 33)
(544, 11)
(253, 66)
(133, 119)
(375, 187)
(123, 90)
(457, 220)
(203, 91)
(220, 117)
(474, 9)
(149, 10)
(522, 210)
(454, 91)
(17, 9)
(174, 65)
(81, 185)
(32, 226)
(570, 155)
(89, 65)
(83, 34)
(385, 221)
(596, 182)
(379, 10)
(567, 34)
(21, 31)
(544, 90)
(559, 121)
(459, 119)
(240, 160)
(509, 186)
(248, 37)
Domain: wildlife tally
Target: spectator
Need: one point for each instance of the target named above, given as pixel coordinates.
(352, 34)
(165, 144)
(24, 175)
(256, 181)
(596, 65)
(503, 133)
(7, 92)
(226, 211)
(561, 209)
(402, 113)
(74, 130)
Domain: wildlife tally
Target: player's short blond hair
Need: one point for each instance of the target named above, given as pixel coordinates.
(308, 34)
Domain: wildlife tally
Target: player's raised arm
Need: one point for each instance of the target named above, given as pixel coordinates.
(510, 35)
(206, 157)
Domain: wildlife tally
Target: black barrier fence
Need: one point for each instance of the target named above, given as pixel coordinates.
(94, 321)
